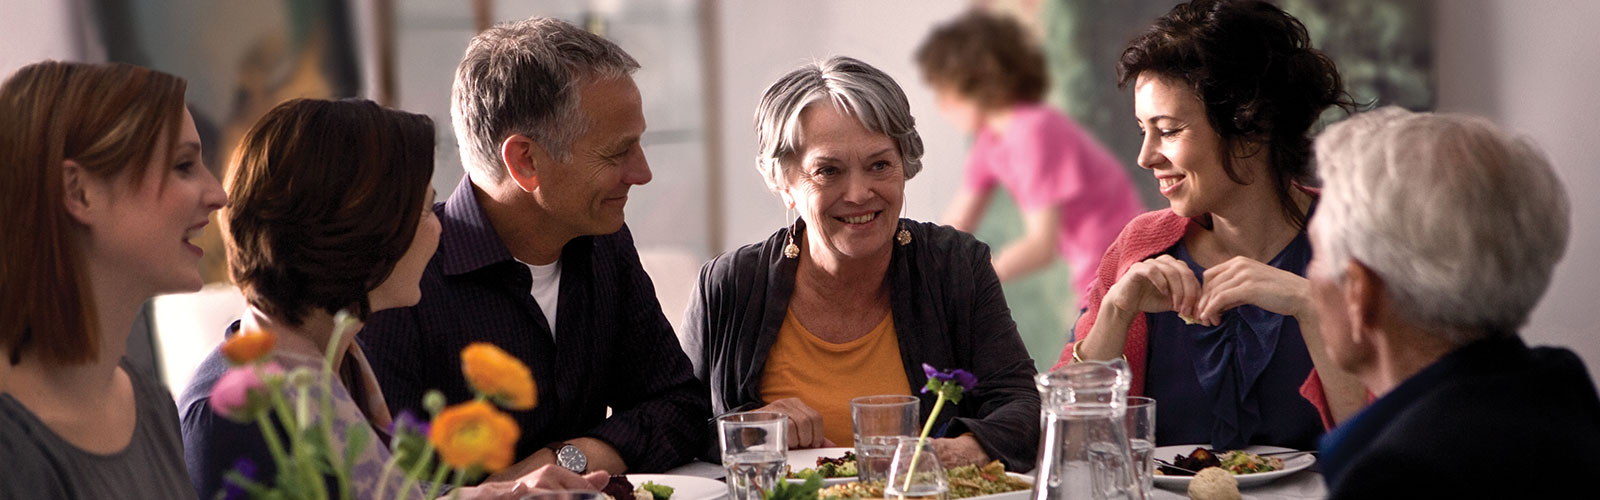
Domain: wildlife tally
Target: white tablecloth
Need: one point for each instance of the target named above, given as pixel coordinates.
(1302, 485)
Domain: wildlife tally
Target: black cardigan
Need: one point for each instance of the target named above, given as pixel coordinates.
(949, 312)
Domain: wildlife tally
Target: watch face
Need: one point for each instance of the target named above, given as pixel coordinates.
(572, 458)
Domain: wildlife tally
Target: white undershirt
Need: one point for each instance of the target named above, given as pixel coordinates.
(546, 289)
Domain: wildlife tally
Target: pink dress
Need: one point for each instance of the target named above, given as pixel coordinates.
(1047, 160)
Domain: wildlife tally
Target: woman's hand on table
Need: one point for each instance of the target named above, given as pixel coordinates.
(1242, 280)
(805, 424)
(959, 451)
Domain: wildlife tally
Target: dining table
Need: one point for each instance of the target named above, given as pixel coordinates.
(1303, 485)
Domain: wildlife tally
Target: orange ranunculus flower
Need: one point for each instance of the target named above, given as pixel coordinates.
(248, 345)
(497, 374)
(474, 434)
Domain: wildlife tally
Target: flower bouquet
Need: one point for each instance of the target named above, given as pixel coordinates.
(463, 441)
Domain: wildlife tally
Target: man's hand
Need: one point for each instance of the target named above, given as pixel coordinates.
(546, 478)
(602, 457)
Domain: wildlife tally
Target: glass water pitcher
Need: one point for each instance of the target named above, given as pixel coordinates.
(1084, 453)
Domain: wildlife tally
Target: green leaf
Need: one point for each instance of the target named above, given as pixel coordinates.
(355, 441)
(785, 490)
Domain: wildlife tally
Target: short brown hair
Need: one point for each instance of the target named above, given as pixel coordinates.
(985, 57)
(107, 118)
(324, 199)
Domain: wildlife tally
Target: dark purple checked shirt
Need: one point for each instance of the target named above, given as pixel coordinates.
(614, 348)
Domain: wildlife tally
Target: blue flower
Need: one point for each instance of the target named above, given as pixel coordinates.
(245, 467)
(408, 422)
(949, 383)
(967, 380)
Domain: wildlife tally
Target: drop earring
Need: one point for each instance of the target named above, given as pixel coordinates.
(791, 250)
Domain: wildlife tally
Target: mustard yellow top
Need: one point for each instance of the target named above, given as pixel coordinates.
(826, 376)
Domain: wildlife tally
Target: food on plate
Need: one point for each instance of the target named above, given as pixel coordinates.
(844, 466)
(619, 488)
(656, 491)
(785, 490)
(965, 482)
(1236, 462)
(1213, 483)
(1244, 462)
(970, 480)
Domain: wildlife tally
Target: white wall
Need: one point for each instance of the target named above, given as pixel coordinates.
(31, 31)
(760, 41)
(1531, 66)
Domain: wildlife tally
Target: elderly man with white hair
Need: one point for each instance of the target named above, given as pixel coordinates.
(1436, 236)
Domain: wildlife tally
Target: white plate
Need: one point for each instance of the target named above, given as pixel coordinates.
(1291, 465)
(1009, 495)
(684, 487)
(807, 459)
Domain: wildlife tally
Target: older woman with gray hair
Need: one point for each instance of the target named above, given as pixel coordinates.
(1436, 237)
(851, 300)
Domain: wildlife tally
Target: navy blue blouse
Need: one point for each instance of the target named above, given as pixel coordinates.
(1235, 384)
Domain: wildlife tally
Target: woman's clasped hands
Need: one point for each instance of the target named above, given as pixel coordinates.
(1164, 283)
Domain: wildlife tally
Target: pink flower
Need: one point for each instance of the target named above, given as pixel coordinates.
(241, 393)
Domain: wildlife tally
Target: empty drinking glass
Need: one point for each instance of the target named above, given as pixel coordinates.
(915, 473)
(1141, 414)
(755, 447)
(878, 423)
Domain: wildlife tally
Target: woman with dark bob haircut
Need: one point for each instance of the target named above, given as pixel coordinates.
(102, 185)
(1207, 299)
(332, 210)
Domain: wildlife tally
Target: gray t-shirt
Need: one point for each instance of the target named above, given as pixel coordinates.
(36, 463)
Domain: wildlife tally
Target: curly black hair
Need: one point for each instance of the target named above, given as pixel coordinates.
(1253, 67)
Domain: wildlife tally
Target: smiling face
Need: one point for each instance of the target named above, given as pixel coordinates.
(847, 182)
(400, 288)
(145, 225)
(1180, 147)
(586, 195)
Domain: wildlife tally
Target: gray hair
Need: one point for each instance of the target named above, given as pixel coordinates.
(851, 86)
(523, 77)
(1463, 221)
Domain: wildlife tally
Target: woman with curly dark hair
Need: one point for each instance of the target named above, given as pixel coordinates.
(1207, 299)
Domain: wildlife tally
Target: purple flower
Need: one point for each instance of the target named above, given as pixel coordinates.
(245, 467)
(967, 380)
(408, 422)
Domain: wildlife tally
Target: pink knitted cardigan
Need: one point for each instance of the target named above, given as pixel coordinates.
(1146, 236)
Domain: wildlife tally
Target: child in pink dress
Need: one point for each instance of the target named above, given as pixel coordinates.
(1073, 194)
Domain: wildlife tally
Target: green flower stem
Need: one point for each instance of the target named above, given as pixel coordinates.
(341, 322)
(927, 428)
(388, 469)
(438, 480)
(416, 470)
(264, 423)
(455, 484)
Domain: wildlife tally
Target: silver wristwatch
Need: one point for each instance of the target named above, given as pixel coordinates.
(570, 457)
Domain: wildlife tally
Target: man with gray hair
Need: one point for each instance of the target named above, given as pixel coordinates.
(1435, 237)
(535, 258)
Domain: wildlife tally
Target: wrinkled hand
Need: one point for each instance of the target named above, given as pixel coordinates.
(1242, 280)
(805, 424)
(547, 478)
(1159, 284)
(959, 451)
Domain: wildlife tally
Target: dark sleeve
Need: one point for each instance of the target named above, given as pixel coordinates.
(1002, 412)
(393, 343)
(212, 444)
(659, 408)
(700, 324)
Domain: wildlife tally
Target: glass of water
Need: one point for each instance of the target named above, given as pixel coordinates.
(755, 448)
(878, 423)
(1141, 421)
(915, 472)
